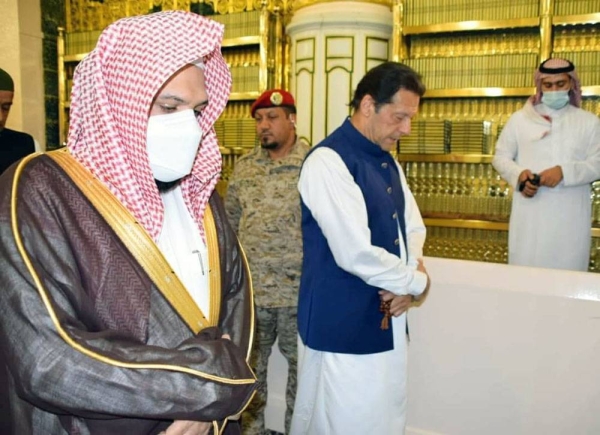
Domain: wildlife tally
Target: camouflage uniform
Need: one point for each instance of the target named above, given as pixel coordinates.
(263, 205)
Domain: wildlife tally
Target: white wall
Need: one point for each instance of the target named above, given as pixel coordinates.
(21, 47)
(276, 382)
(501, 350)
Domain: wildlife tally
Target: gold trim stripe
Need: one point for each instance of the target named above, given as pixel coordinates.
(463, 26)
(137, 240)
(252, 322)
(237, 416)
(299, 4)
(214, 269)
(46, 300)
(466, 223)
(453, 158)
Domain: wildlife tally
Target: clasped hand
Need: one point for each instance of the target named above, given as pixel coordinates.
(186, 427)
(401, 303)
(548, 177)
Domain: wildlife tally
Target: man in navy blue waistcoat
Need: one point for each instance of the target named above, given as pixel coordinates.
(363, 241)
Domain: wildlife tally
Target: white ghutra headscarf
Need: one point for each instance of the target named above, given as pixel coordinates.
(557, 66)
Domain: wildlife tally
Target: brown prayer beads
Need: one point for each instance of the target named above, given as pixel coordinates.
(384, 307)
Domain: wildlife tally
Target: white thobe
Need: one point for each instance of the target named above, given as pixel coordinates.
(552, 229)
(341, 394)
(182, 245)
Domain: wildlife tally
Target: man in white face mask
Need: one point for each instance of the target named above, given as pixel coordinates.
(174, 134)
(127, 298)
(549, 151)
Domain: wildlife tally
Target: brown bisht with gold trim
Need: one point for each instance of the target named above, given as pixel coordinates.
(91, 343)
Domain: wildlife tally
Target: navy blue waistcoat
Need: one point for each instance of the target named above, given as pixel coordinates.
(337, 311)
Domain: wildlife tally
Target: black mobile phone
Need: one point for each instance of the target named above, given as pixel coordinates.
(535, 180)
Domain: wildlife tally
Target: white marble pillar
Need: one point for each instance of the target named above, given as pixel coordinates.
(333, 44)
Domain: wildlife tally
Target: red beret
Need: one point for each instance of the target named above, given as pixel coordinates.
(273, 98)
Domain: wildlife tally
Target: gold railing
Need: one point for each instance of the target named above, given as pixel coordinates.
(466, 206)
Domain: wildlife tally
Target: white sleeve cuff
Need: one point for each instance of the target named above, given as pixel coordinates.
(418, 284)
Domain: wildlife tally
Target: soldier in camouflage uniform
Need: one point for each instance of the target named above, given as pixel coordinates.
(263, 205)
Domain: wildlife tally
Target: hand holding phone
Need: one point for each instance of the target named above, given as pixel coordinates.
(535, 180)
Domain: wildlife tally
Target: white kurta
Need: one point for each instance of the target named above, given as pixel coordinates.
(552, 229)
(182, 245)
(340, 394)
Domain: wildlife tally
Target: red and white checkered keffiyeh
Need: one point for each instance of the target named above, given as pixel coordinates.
(113, 89)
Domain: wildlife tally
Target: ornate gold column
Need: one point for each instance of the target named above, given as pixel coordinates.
(399, 50)
(62, 93)
(547, 10)
(278, 50)
(264, 45)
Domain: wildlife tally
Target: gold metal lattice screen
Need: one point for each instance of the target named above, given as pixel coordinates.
(87, 15)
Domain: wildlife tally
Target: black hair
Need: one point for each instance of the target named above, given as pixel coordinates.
(290, 110)
(384, 81)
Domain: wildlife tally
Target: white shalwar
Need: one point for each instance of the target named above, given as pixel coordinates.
(346, 394)
(552, 229)
(182, 245)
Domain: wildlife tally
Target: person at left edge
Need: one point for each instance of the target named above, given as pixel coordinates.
(14, 145)
(126, 298)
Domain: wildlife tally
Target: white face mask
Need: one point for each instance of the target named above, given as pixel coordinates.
(555, 99)
(172, 142)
